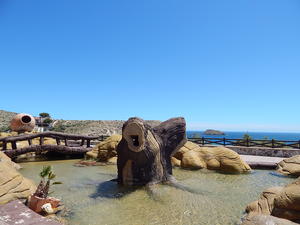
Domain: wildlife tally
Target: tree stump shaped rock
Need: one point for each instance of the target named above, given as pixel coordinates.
(144, 153)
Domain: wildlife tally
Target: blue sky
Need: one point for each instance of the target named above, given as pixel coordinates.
(231, 65)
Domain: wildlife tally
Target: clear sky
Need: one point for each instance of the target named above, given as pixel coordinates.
(231, 65)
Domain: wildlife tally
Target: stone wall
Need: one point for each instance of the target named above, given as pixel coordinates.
(263, 151)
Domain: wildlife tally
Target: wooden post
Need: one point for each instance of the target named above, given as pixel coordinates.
(203, 140)
(82, 142)
(29, 142)
(299, 144)
(88, 143)
(247, 142)
(41, 140)
(4, 145)
(224, 141)
(14, 145)
(66, 142)
(273, 143)
(57, 141)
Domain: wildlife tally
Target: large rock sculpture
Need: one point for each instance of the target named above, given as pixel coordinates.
(106, 149)
(12, 184)
(193, 156)
(266, 220)
(290, 166)
(22, 123)
(144, 153)
(282, 202)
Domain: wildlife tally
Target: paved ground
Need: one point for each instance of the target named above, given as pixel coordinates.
(255, 161)
(16, 212)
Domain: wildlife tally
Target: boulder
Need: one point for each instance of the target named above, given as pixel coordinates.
(188, 146)
(175, 162)
(192, 160)
(290, 166)
(105, 149)
(12, 184)
(193, 156)
(113, 160)
(5, 159)
(282, 202)
(260, 219)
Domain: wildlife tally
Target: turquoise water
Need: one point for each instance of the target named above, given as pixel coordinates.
(210, 198)
(254, 135)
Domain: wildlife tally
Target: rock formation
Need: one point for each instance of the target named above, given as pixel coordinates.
(266, 220)
(144, 153)
(290, 166)
(105, 149)
(193, 156)
(282, 202)
(12, 184)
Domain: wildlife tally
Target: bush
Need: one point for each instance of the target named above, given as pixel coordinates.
(4, 129)
(47, 121)
(59, 128)
(44, 115)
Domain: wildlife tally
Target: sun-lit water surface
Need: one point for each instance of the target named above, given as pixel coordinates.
(212, 198)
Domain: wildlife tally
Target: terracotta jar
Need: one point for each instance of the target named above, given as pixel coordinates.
(22, 122)
(36, 203)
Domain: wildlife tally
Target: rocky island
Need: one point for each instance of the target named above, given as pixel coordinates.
(213, 132)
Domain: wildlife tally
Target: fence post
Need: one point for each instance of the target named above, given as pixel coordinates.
(224, 141)
(247, 142)
(273, 143)
(299, 144)
(4, 145)
(203, 141)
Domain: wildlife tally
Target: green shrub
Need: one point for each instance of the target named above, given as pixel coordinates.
(59, 128)
(47, 121)
(44, 115)
(4, 129)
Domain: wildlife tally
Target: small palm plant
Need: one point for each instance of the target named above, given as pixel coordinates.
(47, 176)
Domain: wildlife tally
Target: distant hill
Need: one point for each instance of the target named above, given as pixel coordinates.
(93, 127)
(213, 132)
(5, 118)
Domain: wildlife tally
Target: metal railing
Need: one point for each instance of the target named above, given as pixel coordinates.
(247, 142)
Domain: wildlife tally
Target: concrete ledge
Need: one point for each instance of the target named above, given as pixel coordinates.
(261, 162)
(16, 212)
(262, 151)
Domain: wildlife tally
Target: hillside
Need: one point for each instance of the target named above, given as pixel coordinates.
(5, 118)
(93, 127)
(88, 127)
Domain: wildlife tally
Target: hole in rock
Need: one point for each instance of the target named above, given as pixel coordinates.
(135, 140)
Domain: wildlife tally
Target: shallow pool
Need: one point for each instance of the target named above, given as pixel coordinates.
(211, 198)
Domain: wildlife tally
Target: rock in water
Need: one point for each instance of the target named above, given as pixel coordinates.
(105, 149)
(193, 156)
(266, 220)
(290, 166)
(12, 184)
(282, 202)
(144, 153)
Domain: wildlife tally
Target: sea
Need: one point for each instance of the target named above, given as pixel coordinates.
(254, 135)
